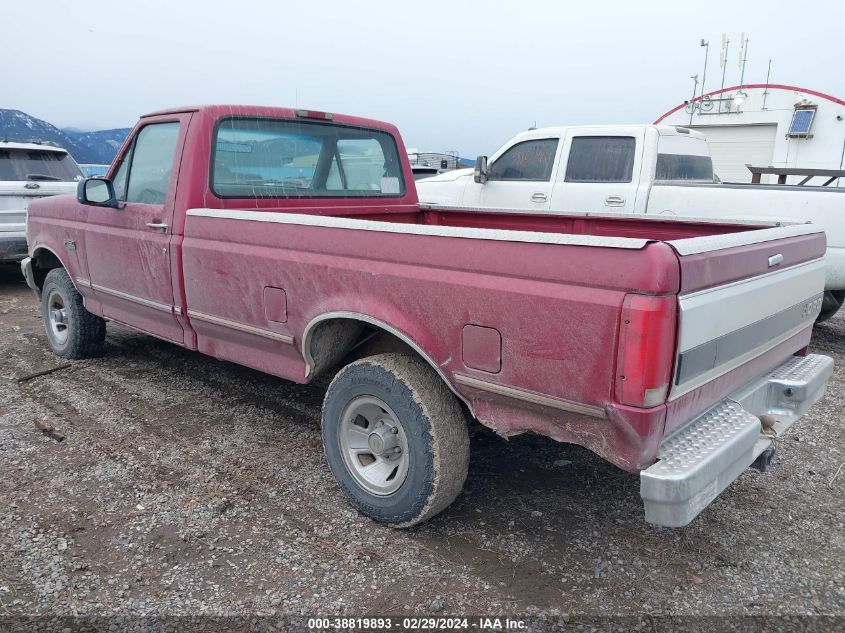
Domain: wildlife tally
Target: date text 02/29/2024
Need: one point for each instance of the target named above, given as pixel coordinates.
(482, 623)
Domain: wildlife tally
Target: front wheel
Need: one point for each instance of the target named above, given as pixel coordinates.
(72, 331)
(395, 439)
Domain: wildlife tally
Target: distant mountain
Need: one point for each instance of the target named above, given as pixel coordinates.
(85, 147)
(104, 142)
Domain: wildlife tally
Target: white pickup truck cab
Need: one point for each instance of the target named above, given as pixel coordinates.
(28, 171)
(635, 169)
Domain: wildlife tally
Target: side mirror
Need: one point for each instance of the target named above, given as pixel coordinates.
(97, 191)
(480, 175)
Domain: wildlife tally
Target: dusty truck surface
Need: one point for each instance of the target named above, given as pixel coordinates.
(292, 242)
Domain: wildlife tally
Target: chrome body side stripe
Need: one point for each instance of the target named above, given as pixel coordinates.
(242, 327)
(530, 396)
(162, 307)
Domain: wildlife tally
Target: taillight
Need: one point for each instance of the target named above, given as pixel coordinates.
(646, 349)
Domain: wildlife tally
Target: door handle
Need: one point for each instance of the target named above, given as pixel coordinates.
(160, 226)
(539, 197)
(614, 201)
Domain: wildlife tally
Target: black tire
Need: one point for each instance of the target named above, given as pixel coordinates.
(833, 300)
(433, 425)
(83, 333)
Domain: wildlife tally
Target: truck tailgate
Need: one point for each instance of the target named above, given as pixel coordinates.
(742, 296)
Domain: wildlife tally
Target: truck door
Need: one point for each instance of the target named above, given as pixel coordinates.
(519, 178)
(128, 249)
(599, 171)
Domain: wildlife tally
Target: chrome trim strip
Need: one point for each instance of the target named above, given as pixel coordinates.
(500, 235)
(530, 396)
(717, 372)
(723, 349)
(139, 300)
(243, 327)
(83, 282)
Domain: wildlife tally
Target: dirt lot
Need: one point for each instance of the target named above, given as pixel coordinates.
(191, 486)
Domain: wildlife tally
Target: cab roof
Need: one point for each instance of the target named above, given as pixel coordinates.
(218, 110)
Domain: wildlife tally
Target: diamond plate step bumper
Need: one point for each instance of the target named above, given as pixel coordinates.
(703, 457)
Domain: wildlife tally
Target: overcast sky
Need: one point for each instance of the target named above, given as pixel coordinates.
(456, 75)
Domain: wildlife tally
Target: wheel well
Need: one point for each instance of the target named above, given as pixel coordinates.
(333, 342)
(43, 261)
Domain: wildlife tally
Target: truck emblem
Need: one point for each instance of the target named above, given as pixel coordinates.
(812, 307)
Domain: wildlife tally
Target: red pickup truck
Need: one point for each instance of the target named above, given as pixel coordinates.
(292, 241)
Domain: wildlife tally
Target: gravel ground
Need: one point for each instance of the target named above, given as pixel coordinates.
(186, 485)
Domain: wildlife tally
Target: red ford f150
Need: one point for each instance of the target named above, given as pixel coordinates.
(292, 241)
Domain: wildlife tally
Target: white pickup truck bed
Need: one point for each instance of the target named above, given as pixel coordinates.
(635, 169)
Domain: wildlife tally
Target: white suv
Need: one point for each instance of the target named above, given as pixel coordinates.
(29, 170)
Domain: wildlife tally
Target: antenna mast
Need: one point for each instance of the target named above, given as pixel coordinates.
(743, 57)
(723, 62)
(766, 91)
(692, 101)
(706, 45)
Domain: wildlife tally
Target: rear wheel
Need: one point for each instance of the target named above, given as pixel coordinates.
(72, 331)
(833, 300)
(395, 439)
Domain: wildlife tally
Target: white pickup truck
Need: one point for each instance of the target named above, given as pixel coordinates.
(635, 169)
(28, 171)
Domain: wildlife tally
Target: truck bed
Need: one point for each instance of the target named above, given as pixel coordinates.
(610, 225)
(551, 288)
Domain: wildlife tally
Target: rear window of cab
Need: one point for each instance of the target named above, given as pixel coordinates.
(282, 158)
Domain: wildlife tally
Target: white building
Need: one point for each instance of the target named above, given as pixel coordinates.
(767, 125)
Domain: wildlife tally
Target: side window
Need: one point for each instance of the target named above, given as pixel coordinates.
(150, 163)
(601, 159)
(529, 160)
(122, 171)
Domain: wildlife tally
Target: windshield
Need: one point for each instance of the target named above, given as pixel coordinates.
(23, 164)
(267, 158)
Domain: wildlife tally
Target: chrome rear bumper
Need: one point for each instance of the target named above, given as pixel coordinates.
(702, 458)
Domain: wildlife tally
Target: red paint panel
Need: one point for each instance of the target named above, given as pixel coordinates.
(482, 348)
(714, 268)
